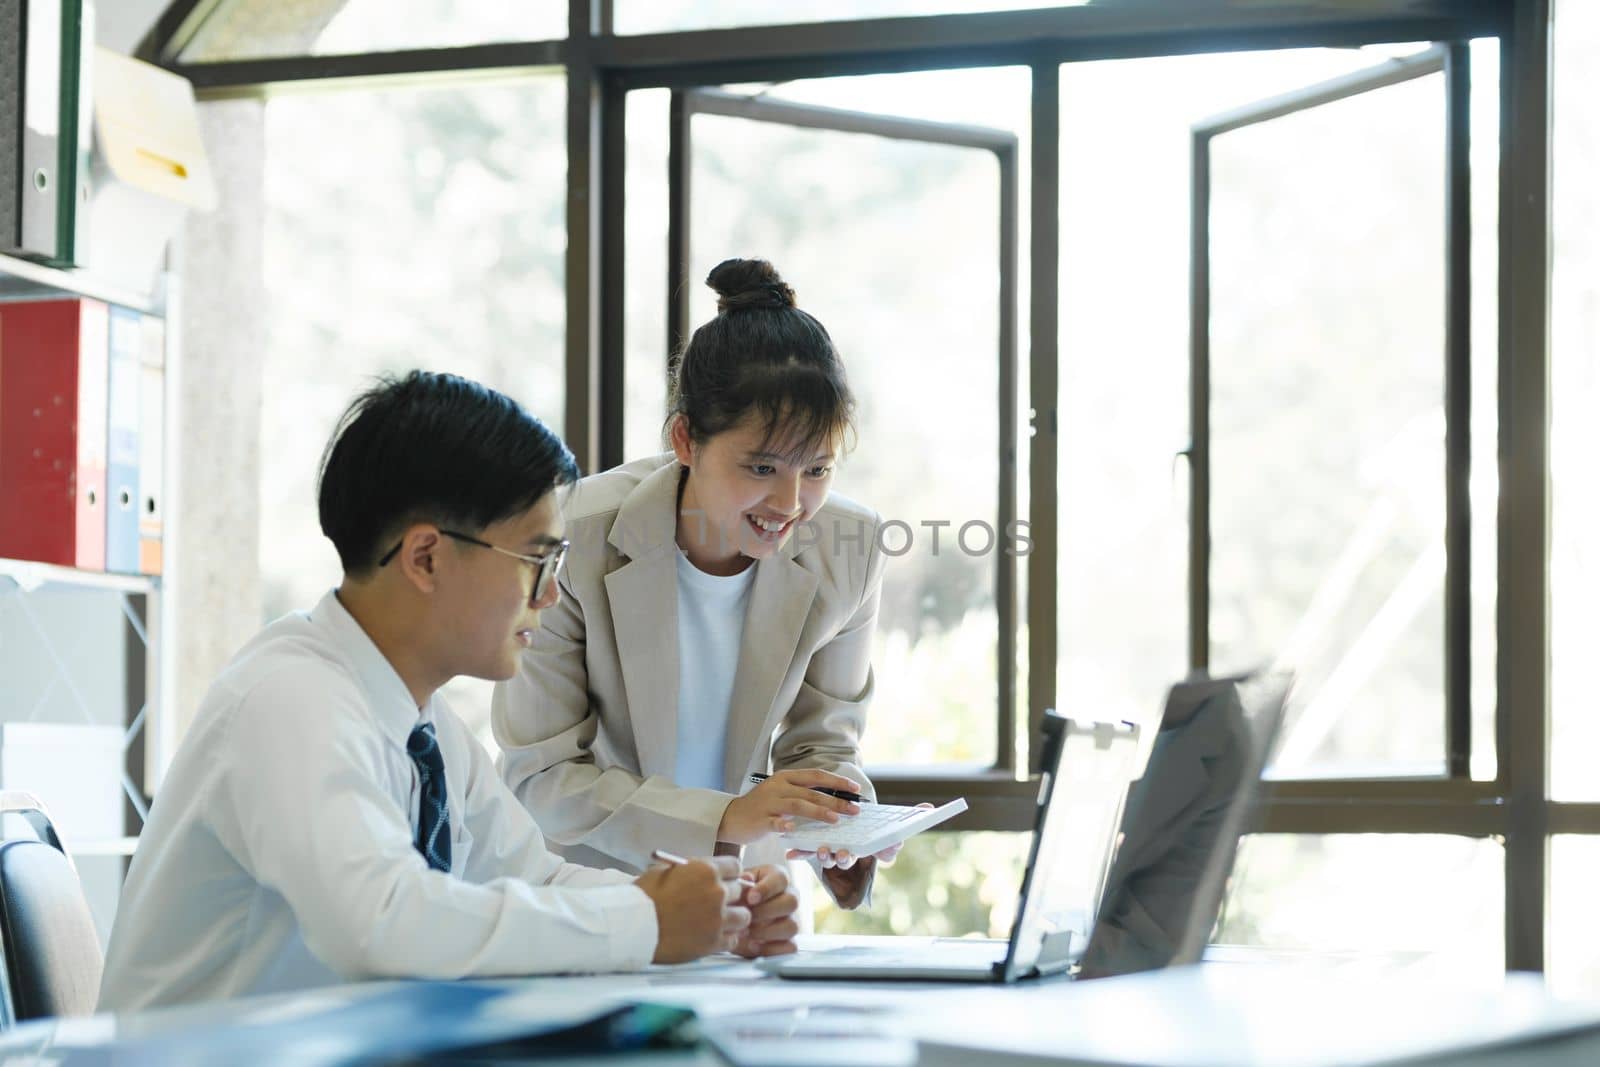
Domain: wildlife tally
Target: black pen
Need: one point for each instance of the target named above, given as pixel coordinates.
(854, 798)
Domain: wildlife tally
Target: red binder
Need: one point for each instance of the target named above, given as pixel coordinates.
(53, 394)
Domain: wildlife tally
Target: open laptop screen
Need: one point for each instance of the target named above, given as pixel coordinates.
(1085, 773)
(1182, 823)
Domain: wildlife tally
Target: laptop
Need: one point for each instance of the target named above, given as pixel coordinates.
(1088, 907)
(1183, 821)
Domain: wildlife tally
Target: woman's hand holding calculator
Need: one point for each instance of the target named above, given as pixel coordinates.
(842, 858)
(775, 805)
(846, 873)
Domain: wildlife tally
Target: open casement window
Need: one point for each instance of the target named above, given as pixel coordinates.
(834, 192)
(1331, 390)
(235, 30)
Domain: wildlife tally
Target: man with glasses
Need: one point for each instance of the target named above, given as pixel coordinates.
(544, 567)
(327, 817)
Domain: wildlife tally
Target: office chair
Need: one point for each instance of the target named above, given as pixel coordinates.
(52, 953)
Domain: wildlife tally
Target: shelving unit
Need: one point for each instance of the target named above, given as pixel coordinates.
(139, 598)
(22, 279)
(26, 575)
(115, 846)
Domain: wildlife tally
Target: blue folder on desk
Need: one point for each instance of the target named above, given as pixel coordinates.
(400, 1022)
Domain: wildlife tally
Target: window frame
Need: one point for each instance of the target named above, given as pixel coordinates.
(1452, 62)
(601, 68)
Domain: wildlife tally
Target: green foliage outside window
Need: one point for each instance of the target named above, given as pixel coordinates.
(944, 885)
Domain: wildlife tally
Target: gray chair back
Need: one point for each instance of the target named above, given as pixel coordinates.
(52, 952)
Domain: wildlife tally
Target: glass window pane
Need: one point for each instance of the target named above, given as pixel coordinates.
(662, 16)
(1485, 477)
(1431, 901)
(1575, 398)
(1572, 930)
(645, 283)
(916, 342)
(894, 246)
(430, 234)
(260, 29)
(1327, 424)
(1124, 375)
(942, 885)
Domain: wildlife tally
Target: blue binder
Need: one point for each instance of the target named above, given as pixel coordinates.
(122, 443)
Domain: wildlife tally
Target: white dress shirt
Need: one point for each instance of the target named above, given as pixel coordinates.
(711, 611)
(279, 853)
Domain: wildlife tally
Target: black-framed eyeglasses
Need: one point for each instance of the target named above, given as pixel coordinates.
(545, 566)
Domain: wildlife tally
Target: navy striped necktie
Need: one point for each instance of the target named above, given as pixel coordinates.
(433, 817)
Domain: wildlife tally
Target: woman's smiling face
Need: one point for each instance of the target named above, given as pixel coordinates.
(747, 490)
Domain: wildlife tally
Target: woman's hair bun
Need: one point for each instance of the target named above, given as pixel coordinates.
(749, 283)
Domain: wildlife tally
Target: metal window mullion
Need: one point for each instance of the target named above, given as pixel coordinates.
(1199, 450)
(1574, 819)
(611, 299)
(1458, 413)
(1429, 788)
(1336, 816)
(613, 245)
(177, 25)
(1088, 32)
(403, 67)
(680, 171)
(1044, 395)
(996, 800)
(1391, 72)
(1005, 559)
(837, 120)
(861, 46)
(583, 386)
(1522, 618)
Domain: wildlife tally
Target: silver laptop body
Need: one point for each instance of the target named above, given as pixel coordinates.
(1086, 767)
(1088, 903)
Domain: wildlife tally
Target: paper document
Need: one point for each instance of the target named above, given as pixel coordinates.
(875, 829)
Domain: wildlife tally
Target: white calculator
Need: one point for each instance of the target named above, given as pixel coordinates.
(875, 829)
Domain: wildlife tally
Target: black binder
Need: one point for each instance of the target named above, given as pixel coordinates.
(44, 127)
(10, 121)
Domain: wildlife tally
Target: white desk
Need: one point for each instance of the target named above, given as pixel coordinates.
(1278, 1014)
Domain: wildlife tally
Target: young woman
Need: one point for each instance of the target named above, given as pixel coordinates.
(716, 615)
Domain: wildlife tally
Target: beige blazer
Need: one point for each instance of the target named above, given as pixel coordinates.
(589, 726)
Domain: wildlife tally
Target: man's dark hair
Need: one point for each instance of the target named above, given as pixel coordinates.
(432, 448)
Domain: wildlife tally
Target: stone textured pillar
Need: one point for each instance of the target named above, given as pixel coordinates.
(221, 318)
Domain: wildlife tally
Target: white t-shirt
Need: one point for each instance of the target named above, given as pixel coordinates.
(711, 611)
